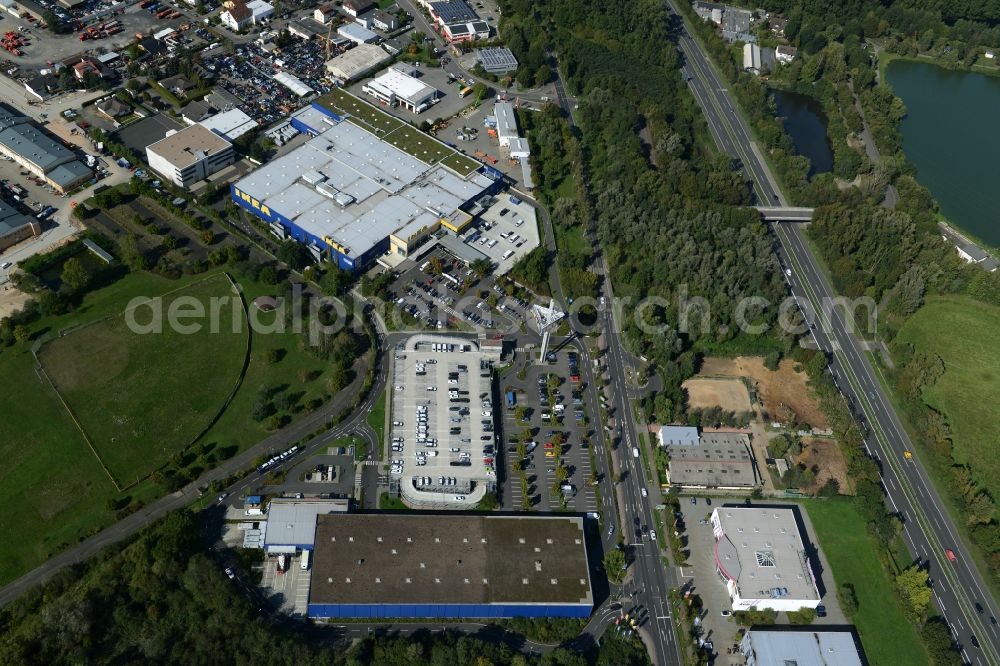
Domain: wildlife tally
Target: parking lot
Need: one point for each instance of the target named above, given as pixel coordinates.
(455, 298)
(505, 232)
(554, 406)
(289, 591)
(442, 440)
(46, 46)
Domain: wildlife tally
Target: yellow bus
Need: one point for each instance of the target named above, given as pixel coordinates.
(464, 91)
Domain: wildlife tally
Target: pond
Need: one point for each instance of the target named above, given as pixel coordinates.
(805, 122)
(951, 134)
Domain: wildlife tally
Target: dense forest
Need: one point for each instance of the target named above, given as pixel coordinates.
(637, 172)
(162, 600)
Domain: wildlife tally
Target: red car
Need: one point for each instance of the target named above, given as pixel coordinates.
(951, 554)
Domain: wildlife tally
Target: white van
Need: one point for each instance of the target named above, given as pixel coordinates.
(508, 254)
(305, 559)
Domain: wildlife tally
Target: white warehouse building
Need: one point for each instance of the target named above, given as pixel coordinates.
(394, 87)
(760, 555)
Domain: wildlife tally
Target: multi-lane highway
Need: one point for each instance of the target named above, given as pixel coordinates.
(960, 592)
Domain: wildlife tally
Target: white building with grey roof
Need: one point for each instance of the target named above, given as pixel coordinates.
(189, 155)
(345, 192)
(761, 556)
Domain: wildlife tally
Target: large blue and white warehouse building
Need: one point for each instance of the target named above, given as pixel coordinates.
(447, 565)
(352, 197)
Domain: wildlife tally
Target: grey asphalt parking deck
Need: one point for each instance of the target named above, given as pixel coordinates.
(434, 466)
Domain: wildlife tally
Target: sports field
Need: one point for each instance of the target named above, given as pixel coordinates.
(962, 332)
(141, 398)
(888, 638)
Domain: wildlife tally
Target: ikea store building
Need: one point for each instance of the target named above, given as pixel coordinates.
(351, 197)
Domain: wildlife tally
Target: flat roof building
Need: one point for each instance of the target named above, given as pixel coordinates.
(506, 122)
(355, 63)
(763, 647)
(456, 566)
(345, 191)
(356, 33)
(719, 460)
(497, 60)
(189, 155)
(466, 31)
(230, 125)
(394, 87)
(676, 435)
(761, 556)
(450, 11)
(291, 523)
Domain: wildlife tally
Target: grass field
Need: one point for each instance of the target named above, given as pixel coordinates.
(141, 398)
(887, 636)
(960, 331)
(53, 491)
(52, 488)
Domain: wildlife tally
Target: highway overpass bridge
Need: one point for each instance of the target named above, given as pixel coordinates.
(785, 213)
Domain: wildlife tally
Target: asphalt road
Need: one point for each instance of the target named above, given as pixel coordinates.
(959, 589)
(649, 582)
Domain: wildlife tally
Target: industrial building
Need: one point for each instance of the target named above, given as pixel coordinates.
(356, 33)
(506, 122)
(294, 83)
(345, 192)
(761, 556)
(675, 435)
(291, 523)
(719, 460)
(37, 151)
(354, 63)
(449, 566)
(394, 87)
(763, 647)
(497, 60)
(758, 60)
(189, 155)
(16, 227)
(230, 125)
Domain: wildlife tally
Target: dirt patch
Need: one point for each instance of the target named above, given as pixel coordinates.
(729, 394)
(11, 300)
(782, 394)
(825, 455)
